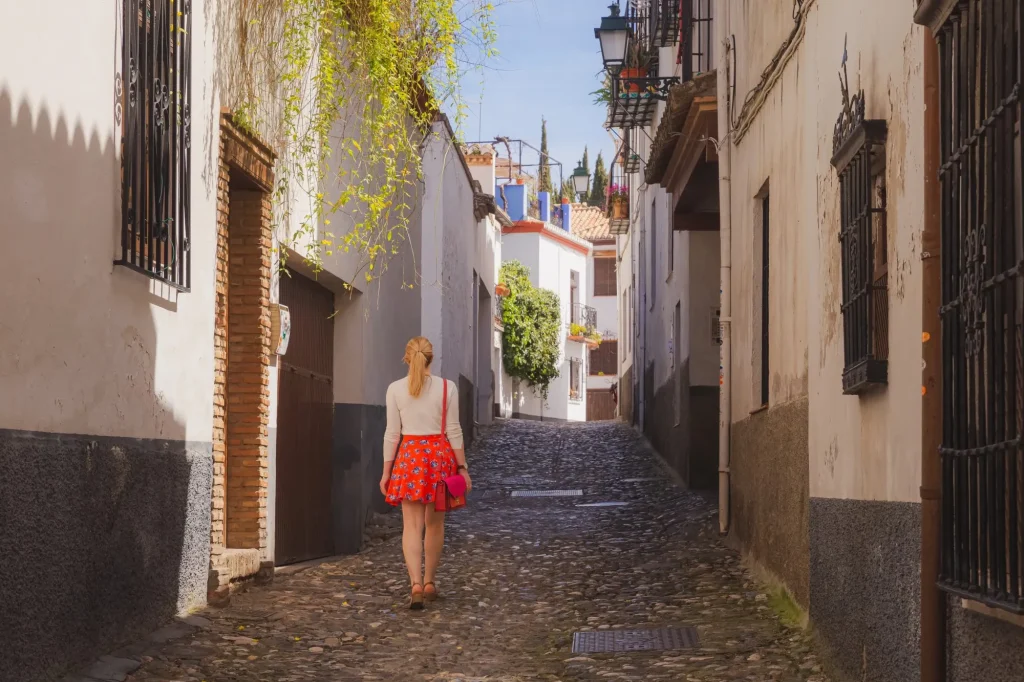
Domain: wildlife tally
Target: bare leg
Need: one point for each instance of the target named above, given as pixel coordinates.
(434, 521)
(412, 540)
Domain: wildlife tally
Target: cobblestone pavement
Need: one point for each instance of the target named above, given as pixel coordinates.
(519, 577)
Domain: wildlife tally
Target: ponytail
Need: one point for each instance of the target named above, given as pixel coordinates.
(419, 353)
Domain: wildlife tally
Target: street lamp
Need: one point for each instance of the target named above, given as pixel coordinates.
(581, 180)
(613, 35)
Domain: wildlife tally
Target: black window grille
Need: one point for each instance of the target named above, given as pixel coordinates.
(155, 144)
(695, 50)
(982, 295)
(858, 147)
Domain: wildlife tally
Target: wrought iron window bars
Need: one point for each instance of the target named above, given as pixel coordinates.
(695, 50)
(858, 147)
(156, 176)
(982, 309)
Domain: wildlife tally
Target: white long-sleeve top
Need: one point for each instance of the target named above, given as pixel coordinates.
(420, 416)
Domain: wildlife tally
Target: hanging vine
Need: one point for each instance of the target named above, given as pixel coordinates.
(532, 321)
(347, 90)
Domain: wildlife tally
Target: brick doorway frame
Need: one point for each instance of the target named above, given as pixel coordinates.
(242, 358)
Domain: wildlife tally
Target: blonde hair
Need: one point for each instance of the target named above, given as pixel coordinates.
(419, 353)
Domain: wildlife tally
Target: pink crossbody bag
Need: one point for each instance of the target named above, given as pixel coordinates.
(451, 492)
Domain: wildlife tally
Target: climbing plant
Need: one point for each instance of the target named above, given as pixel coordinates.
(346, 91)
(532, 320)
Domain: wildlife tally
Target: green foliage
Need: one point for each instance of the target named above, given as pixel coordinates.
(346, 91)
(586, 160)
(544, 180)
(599, 185)
(603, 95)
(567, 190)
(532, 320)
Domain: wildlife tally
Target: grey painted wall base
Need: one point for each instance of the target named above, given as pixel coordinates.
(102, 540)
(357, 460)
(982, 648)
(866, 587)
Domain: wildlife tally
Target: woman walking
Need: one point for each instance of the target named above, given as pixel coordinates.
(422, 446)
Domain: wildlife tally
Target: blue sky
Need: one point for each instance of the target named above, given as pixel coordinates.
(547, 66)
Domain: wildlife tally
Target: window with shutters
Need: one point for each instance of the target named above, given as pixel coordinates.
(604, 276)
(604, 360)
(156, 89)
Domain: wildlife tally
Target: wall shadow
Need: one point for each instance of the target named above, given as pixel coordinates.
(103, 536)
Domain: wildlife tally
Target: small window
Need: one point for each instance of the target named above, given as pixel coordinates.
(604, 276)
(156, 142)
(762, 247)
(859, 158)
(575, 380)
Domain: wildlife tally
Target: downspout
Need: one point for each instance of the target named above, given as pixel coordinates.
(933, 608)
(725, 244)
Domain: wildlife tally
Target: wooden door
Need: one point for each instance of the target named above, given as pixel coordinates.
(304, 424)
(600, 405)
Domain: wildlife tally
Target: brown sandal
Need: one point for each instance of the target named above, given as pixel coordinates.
(430, 595)
(416, 600)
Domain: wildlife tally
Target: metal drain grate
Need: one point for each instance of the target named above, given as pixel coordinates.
(662, 639)
(603, 504)
(547, 493)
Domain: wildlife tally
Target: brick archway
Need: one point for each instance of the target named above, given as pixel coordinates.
(242, 356)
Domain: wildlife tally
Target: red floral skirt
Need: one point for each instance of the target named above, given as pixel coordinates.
(421, 463)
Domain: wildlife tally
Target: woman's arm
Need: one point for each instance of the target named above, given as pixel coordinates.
(454, 430)
(392, 437)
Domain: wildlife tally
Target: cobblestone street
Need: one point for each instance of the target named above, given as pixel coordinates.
(518, 578)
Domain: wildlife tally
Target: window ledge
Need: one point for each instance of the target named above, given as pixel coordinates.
(865, 376)
(998, 614)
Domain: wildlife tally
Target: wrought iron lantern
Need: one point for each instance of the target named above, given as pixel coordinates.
(613, 35)
(581, 180)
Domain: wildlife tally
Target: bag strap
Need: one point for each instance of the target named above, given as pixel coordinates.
(444, 408)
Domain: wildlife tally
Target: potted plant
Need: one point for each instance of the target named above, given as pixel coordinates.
(638, 59)
(577, 332)
(618, 202)
(501, 289)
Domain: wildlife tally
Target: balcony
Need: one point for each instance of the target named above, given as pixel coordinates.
(583, 325)
(634, 99)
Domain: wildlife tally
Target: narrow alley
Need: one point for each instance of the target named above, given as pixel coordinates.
(519, 577)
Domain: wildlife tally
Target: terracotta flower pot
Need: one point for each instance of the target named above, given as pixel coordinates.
(618, 207)
(501, 290)
(627, 74)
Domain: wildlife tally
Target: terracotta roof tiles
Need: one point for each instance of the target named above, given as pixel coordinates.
(590, 222)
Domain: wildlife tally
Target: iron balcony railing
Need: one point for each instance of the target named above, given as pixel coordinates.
(634, 100)
(584, 316)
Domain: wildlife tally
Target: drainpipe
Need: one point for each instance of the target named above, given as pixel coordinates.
(933, 608)
(725, 242)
